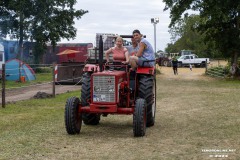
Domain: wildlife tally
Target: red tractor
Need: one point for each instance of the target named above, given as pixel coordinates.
(113, 89)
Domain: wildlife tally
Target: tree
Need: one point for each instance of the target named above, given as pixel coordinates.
(220, 22)
(184, 35)
(41, 21)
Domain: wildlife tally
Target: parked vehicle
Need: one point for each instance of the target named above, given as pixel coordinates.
(113, 89)
(70, 59)
(193, 59)
(163, 59)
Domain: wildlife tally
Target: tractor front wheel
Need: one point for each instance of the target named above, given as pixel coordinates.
(88, 118)
(73, 118)
(139, 118)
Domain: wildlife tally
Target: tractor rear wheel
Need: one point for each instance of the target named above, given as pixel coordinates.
(88, 118)
(165, 63)
(147, 91)
(139, 118)
(73, 119)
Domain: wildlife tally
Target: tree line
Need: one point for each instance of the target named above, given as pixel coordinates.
(214, 31)
(41, 21)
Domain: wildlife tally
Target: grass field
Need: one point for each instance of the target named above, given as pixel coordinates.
(40, 78)
(193, 117)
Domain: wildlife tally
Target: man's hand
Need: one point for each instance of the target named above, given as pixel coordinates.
(124, 62)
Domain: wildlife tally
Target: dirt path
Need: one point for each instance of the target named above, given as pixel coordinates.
(18, 94)
(184, 74)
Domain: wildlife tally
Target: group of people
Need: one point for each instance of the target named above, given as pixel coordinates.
(141, 52)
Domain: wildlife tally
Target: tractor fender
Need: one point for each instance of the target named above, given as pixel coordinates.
(145, 70)
(91, 68)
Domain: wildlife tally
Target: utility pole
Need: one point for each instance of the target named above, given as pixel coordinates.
(155, 21)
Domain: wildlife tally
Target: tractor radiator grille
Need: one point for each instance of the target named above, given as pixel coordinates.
(104, 89)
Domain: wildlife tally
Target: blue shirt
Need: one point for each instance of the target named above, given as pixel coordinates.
(131, 49)
(148, 52)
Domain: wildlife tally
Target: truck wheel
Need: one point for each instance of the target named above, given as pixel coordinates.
(146, 91)
(139, 118)
(73, 119)
(203, 64)
(88, 118)
(180, 64)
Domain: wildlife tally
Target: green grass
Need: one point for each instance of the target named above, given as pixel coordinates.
(191, 115)
(40, 78)
(25, 125)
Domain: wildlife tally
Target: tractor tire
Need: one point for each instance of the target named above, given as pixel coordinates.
(139, 118)
(147, 91)
(165, 63)
(88, 118)
(73, 119)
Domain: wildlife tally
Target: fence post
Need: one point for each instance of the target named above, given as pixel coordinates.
(19, 72)
(53, 80)
(3, 86)
(206, 66)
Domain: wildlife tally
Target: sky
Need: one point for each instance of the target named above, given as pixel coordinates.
(122, 17)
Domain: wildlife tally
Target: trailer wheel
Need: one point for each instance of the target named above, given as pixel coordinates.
(147, 91)
(88, 118)
(139, 118)
(73, 119)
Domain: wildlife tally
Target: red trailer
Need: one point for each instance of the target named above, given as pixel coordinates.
(80, 56)
(69, 64)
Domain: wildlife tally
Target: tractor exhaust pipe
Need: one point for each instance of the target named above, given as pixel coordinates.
(100, 60)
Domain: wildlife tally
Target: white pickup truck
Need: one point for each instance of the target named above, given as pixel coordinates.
(193, 59)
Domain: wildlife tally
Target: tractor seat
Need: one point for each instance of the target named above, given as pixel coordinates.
(146, 63)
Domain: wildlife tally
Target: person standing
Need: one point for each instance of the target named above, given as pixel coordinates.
(190, 67)
(145, 55)
(119, 52)
(175, 65)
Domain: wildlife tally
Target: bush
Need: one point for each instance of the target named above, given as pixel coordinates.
(43, 70)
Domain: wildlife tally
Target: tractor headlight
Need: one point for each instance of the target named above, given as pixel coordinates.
(111, 88)
(97, 88)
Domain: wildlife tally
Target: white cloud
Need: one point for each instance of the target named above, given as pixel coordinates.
(122, 17)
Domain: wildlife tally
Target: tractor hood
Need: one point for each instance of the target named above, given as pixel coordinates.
(111, 73)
